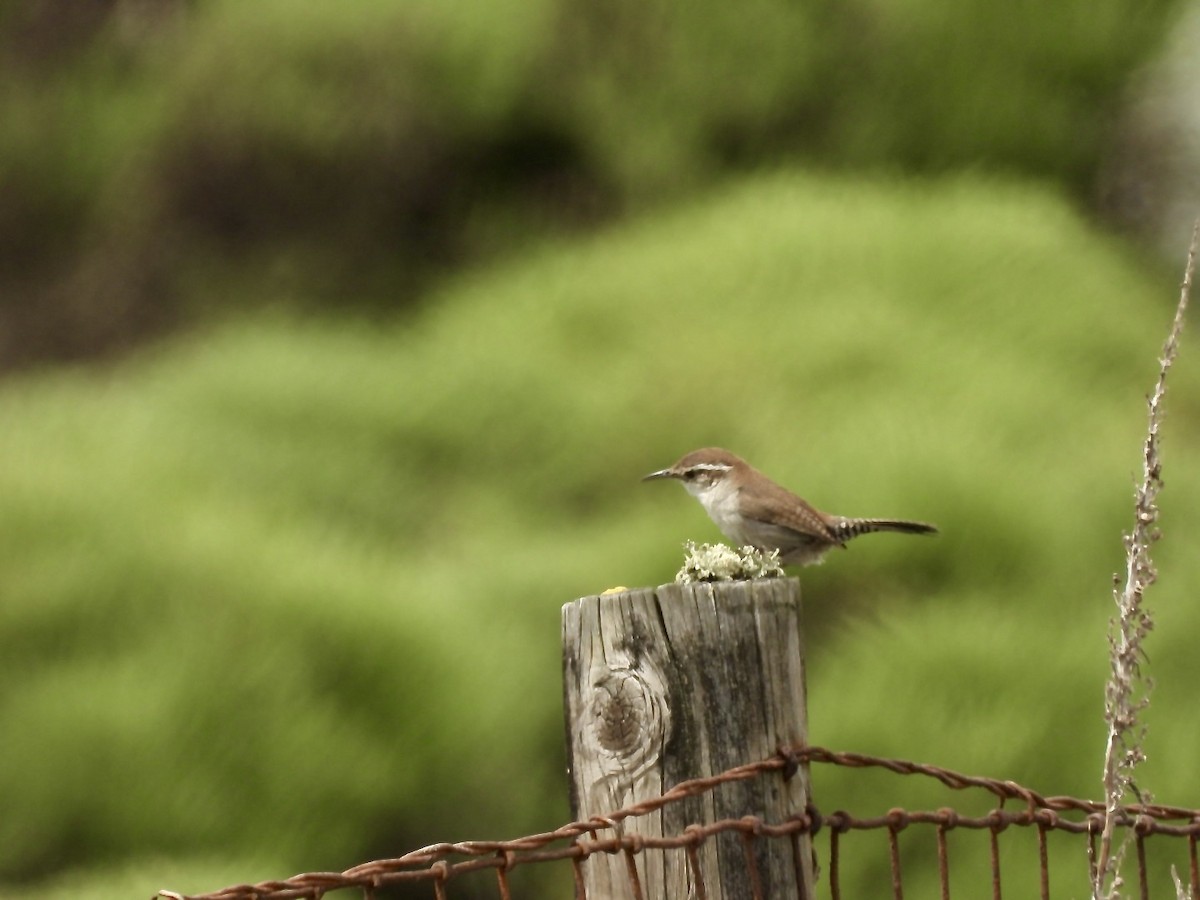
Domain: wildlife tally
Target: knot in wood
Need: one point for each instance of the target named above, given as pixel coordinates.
(630, 719)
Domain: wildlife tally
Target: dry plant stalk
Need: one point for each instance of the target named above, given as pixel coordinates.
(1127, 691)
(1182, 891)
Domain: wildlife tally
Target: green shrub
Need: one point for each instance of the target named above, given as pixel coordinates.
(361, 150)
(291, 589)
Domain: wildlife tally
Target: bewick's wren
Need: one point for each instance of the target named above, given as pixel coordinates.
(750, 508)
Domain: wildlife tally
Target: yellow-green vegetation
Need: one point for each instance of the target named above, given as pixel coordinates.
(357, 151)
(290, 589)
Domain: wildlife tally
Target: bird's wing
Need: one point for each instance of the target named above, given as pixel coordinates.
(786, 510)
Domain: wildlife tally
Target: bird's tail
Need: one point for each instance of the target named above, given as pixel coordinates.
(844, 529)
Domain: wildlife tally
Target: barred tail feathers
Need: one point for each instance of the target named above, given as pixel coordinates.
(845, 529)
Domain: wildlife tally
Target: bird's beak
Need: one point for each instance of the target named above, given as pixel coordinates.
(661, 473)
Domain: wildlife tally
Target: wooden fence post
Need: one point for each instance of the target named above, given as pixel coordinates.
(666, 684)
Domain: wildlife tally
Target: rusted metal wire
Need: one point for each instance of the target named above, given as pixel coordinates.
(894, 853)
(994, 845)
(700, 889)
(1044, 857)
(756, 888)
(1143, 886)
(1195, 863)
(575, 842)
(943, 853)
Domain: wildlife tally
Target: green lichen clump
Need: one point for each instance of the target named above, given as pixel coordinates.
(718, 562)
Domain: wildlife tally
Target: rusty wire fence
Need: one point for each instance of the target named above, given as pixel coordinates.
(437, 870)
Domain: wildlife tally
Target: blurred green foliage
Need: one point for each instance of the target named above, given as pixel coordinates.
(287, 591)
(162, 156)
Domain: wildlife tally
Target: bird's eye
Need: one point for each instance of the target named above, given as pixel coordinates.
(690, 475)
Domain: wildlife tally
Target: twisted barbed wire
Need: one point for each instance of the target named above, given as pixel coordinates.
(576, 841)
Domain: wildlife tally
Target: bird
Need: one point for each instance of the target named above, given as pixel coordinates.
(752, 510)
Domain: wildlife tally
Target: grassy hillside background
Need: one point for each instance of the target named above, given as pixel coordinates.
(283, 593)
(433, 284)
(162, 158)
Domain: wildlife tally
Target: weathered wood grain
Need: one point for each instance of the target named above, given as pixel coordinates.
(678, 682)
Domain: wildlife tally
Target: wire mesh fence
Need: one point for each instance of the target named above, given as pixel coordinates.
(438, 867)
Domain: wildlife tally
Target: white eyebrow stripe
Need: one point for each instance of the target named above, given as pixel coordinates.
(710, 467)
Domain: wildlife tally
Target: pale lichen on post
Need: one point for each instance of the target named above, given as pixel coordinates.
(718, 562)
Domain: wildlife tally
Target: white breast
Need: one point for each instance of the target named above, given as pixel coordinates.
(720, 501)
